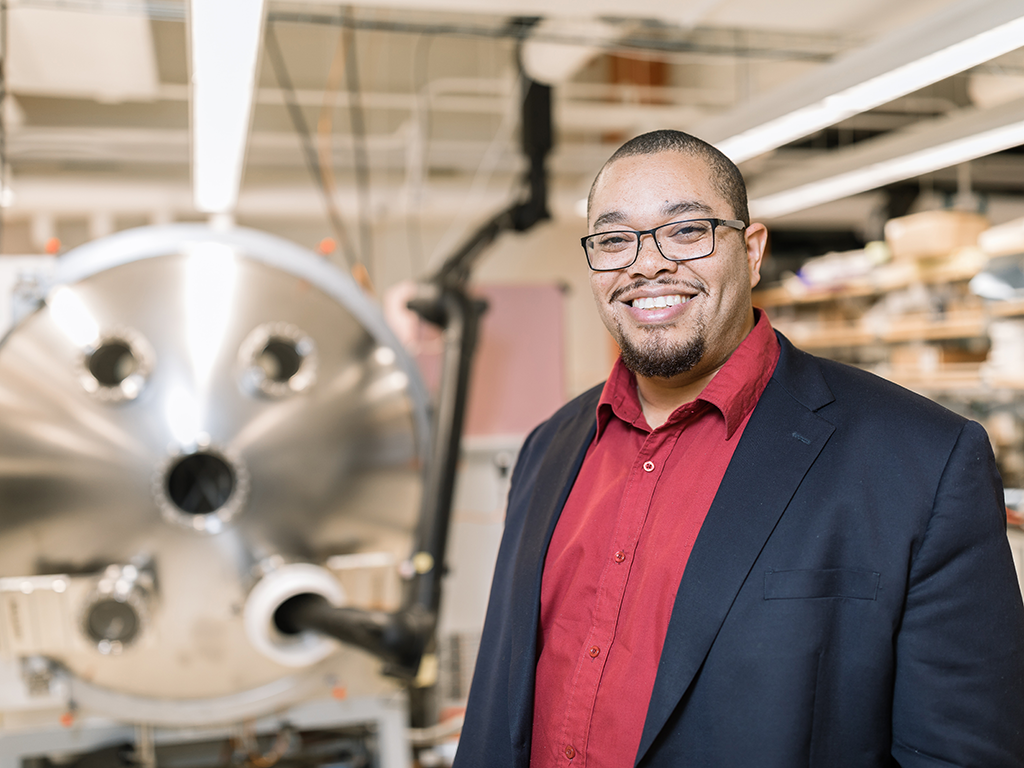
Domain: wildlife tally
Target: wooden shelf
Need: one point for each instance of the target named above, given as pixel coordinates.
(962, 324)
(816, 319)
(951, 377)
(888, 278)
(955, 377)
(780, 296)
(1006, 308)
(828, 335)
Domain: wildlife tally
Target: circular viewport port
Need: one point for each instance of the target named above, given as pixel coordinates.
(112, 624)
(203, 490)
(112, 363)
(117, 368)
(277, 360)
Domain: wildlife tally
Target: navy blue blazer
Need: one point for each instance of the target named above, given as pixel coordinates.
(850, 600)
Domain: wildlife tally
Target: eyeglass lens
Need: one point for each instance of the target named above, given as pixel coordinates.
(678, 241)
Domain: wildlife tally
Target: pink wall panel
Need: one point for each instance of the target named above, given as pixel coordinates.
(518, 376)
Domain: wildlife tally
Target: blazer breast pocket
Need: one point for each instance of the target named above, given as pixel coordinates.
(817, 584)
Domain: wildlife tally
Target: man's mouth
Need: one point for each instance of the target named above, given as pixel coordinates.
(659, 302)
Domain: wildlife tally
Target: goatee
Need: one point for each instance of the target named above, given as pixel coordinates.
(655, 358)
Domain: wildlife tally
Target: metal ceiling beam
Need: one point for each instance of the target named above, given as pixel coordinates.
(639, 9)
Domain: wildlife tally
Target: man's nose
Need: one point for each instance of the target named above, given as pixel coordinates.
(649, 261)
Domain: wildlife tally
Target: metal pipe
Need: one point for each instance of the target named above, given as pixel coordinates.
(400, 638)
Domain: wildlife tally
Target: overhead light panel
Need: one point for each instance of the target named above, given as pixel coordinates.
(925, 148)
(225, 40)
(963, 36)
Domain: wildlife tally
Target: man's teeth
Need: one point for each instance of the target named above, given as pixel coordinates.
(658, 302)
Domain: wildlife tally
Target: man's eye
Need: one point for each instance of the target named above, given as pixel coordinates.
(614, 242)
(687, 232)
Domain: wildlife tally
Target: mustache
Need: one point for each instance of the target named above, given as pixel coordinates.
(694, 286)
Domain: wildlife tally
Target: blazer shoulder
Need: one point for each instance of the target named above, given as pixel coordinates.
(834, 389)
(880, 399)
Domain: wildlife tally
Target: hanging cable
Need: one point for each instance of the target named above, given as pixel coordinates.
(358, 125)
(499, 146)
(325, 123)
(4, 175)
(417, 153)
(309, 150)
(660, 40)
(340, 66)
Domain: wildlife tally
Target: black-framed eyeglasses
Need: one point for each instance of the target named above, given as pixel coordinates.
(676, 241)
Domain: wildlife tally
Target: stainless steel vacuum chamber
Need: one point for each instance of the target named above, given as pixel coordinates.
(196, 425)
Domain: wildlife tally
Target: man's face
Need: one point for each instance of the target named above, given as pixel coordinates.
(704, 309)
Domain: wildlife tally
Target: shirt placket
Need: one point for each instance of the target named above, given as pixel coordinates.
(593, 655)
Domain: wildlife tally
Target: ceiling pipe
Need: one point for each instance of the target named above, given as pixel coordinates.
(401, 637)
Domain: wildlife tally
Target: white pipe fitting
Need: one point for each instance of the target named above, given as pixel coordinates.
(281, 584)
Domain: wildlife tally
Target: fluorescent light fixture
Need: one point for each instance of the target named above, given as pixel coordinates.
(964, 36)
(225, 39)
(925, 160)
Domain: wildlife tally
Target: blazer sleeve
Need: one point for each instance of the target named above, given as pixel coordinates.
(960, 646)
(499, 718)
(485, 737)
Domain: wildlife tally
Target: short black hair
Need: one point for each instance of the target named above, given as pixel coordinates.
(725, 175)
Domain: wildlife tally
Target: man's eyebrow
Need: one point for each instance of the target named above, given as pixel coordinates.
(668, 210)
(687, 206)
(612, 217)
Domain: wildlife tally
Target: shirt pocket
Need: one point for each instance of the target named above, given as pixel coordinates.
(817, 584)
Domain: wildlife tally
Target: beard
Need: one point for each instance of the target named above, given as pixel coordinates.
(654, 357)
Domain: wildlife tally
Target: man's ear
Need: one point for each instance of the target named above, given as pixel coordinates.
(756, 238)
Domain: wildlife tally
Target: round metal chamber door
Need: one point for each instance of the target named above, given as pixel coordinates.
(186, 412)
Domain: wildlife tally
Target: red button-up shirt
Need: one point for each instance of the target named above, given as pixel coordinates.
(619, 550)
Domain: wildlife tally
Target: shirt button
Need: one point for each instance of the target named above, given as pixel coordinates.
(594, 651)
(620, 556)
(570, 752)
(648, 466)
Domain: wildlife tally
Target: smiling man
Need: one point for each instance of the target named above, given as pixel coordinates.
(733, 553)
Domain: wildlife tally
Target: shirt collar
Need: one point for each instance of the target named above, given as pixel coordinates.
(734, 390)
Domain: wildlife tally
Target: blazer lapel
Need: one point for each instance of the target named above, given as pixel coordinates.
(556, 474)
(779, 444)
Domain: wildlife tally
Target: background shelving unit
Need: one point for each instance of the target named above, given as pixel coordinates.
(916, 322)
(932, 341)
